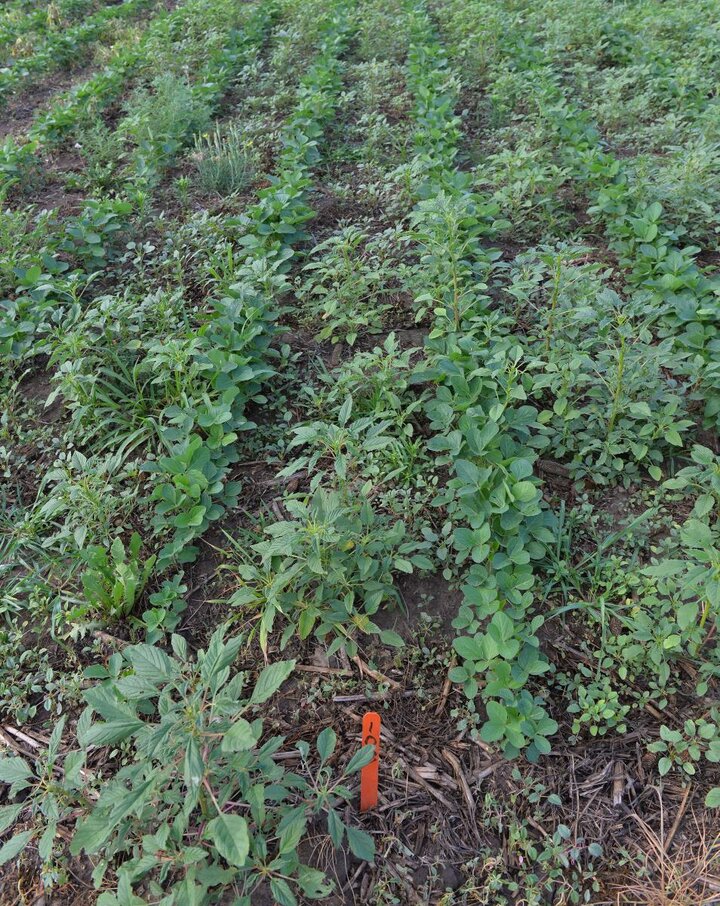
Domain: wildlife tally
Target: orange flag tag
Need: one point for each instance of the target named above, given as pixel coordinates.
(369, 774)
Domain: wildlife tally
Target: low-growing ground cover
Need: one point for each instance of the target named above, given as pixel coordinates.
(358, 355)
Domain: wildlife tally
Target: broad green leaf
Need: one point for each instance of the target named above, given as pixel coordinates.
(326, 743)
(313, 883)
(712, 800)
(360, 759)
(292, 829)
(345, 410)
(361, 844)
(524, 491)
(14, 769)
(150, 663)
(9, 815)
(45, 844)
(105, 734)
(229, 833)
(388, 637)
(336, 829)
(282, 892)
(270, 680)
(194, 770)
(468, 649)
(239, 737)
(15, 845)
(91, 833)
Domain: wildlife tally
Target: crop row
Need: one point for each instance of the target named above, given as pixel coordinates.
(65, 46)
(481, 427)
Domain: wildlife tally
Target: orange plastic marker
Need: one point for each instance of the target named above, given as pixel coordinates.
(369, 774)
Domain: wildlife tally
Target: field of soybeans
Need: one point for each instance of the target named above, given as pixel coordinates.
(359, 356)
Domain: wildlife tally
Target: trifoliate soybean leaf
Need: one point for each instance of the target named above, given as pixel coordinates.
(497, 713)
(405, 566)
(193, 518)
(388, 637)
(467, 471)
(468, 649)
(524, 491)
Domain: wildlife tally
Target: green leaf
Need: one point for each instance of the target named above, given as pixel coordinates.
(192, 518)
(194, 770)
(105, 734)
(712, 800)
(326, 743)
(14, 846)
(91, 833)
(229, 833)
(292, 831)
(313, 883)
(9, 814)
(361, 844)
(467, 471)
(282, 893)
(45, 844)
(150, 663)
(686, 614)
(239, 738)
(388, 637)
(703, 505)
(497, 713)
(524, 491)
(468, 649)
(360, 759)
(336, 829)
(270, 680)
(14, 769)
(345, 410)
